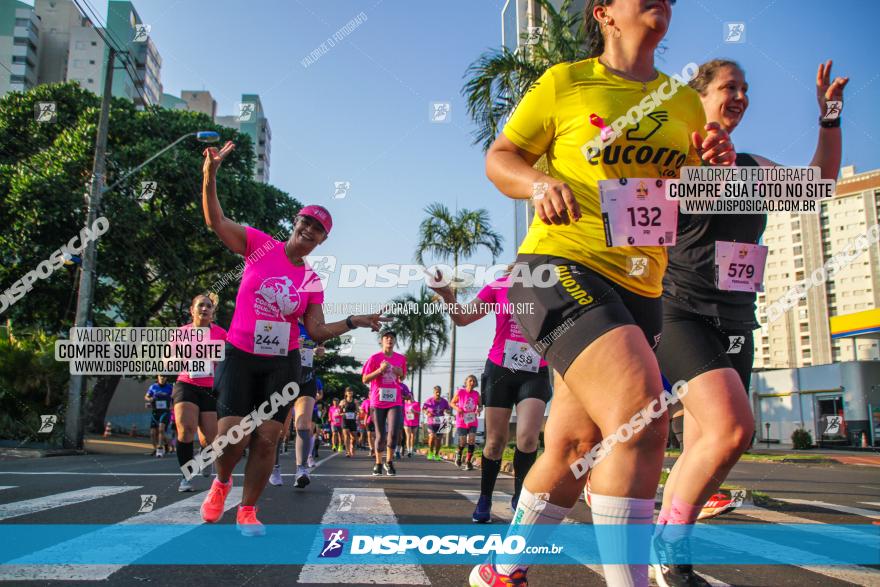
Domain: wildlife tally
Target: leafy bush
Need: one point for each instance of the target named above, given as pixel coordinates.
(801, 439)
(32, 383)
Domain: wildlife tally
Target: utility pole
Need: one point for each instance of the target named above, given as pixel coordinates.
(73, 422)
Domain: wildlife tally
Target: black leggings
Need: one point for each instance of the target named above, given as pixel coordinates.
(386, 420)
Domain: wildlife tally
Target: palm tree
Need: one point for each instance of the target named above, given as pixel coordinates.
(446, 237)
(423, 333)
(498, 79)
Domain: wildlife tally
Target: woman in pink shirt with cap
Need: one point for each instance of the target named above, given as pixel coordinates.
(262, 350)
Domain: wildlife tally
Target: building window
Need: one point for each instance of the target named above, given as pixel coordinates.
(798, 263)
(798, 250)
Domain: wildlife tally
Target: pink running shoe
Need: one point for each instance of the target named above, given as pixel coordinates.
(247, 523)
(213, 506)
(485, 575)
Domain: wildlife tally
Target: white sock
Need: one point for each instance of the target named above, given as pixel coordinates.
(610, 510)
(531, 511)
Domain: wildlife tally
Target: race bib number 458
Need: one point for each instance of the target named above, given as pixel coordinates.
(636, 213)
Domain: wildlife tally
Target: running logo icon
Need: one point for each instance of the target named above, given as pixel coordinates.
(734, 32)
(441, 112)
(45, 111)
(346, 500)
(148, 502)
(833, 108)
(340, 189)
(736, 344)
(832, 425)
(141, 33)
(47, 423)
(333, 542)
(148, 189)
(638, 266)
(533, 36)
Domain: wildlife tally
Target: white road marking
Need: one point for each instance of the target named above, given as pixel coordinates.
(127, 546)
(369, 506)
(846, 509)
(57, 500)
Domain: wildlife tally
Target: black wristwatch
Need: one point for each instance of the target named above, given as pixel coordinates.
(349, 323)
(830, 123)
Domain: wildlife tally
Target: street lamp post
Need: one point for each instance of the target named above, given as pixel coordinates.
(73, 424)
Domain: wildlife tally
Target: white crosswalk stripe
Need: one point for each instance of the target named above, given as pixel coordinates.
(805, 525)
(2, 487)
(357, 505)
(846, 509)
(127, 546)
(873, 503)
(57, 500)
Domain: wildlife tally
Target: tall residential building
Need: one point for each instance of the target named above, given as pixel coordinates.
(19, 46)
(801, 244)
(192, 100)
(126, 29)
(70, 47)
(252, 121)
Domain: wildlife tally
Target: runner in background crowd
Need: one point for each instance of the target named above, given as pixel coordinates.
(384, 372)
(158, 398)
(467, 406)
(435, 409)
(195, 402)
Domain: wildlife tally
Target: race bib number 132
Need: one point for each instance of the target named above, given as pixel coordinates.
(636, 213)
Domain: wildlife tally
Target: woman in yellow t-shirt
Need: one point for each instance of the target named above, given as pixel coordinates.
(610, 127)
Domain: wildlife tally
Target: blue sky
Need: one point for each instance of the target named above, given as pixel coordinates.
(361, 112)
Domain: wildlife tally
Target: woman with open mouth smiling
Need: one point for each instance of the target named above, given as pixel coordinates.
(262, 349)
(709, 288)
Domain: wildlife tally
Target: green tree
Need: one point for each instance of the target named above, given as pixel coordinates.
(423, 333)
(498, 79)
(158, 253)
(457, 237)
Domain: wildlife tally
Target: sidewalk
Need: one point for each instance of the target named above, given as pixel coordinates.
(846, 457)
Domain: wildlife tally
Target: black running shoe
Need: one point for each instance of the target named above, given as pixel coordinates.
(671, 574)
(389, 469)
(458, 461)
(377, 470)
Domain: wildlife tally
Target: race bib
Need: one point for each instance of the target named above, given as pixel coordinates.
(437, 420)
(161, 404)
(307, 357)
(410, 415)
(208, 373)
(349, 415)
(520, 356)
(387, 394)
(636, 213)
(271, 338)
(739, 266)
(470, 418)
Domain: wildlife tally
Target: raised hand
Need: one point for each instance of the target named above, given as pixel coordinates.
(213, 158)
(826, 90)
(716, 148)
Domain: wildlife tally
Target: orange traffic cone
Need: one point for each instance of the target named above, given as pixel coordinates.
(108, 430)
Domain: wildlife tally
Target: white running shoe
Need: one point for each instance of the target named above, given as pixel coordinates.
(160, 452)
(185, 485)
(275, 477)
(311, 462)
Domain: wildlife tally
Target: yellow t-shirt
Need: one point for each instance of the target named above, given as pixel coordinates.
(554, 118)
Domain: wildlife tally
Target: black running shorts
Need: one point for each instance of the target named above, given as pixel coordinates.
(505, 388)
(694, 344)
(579, 308)
(244, 381)
(203, 397)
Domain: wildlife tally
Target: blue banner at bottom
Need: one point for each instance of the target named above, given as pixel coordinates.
(718, 544)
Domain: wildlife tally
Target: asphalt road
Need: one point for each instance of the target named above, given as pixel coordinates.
(423, 493)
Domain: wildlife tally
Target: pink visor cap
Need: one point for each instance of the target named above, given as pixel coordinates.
(320, 214)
